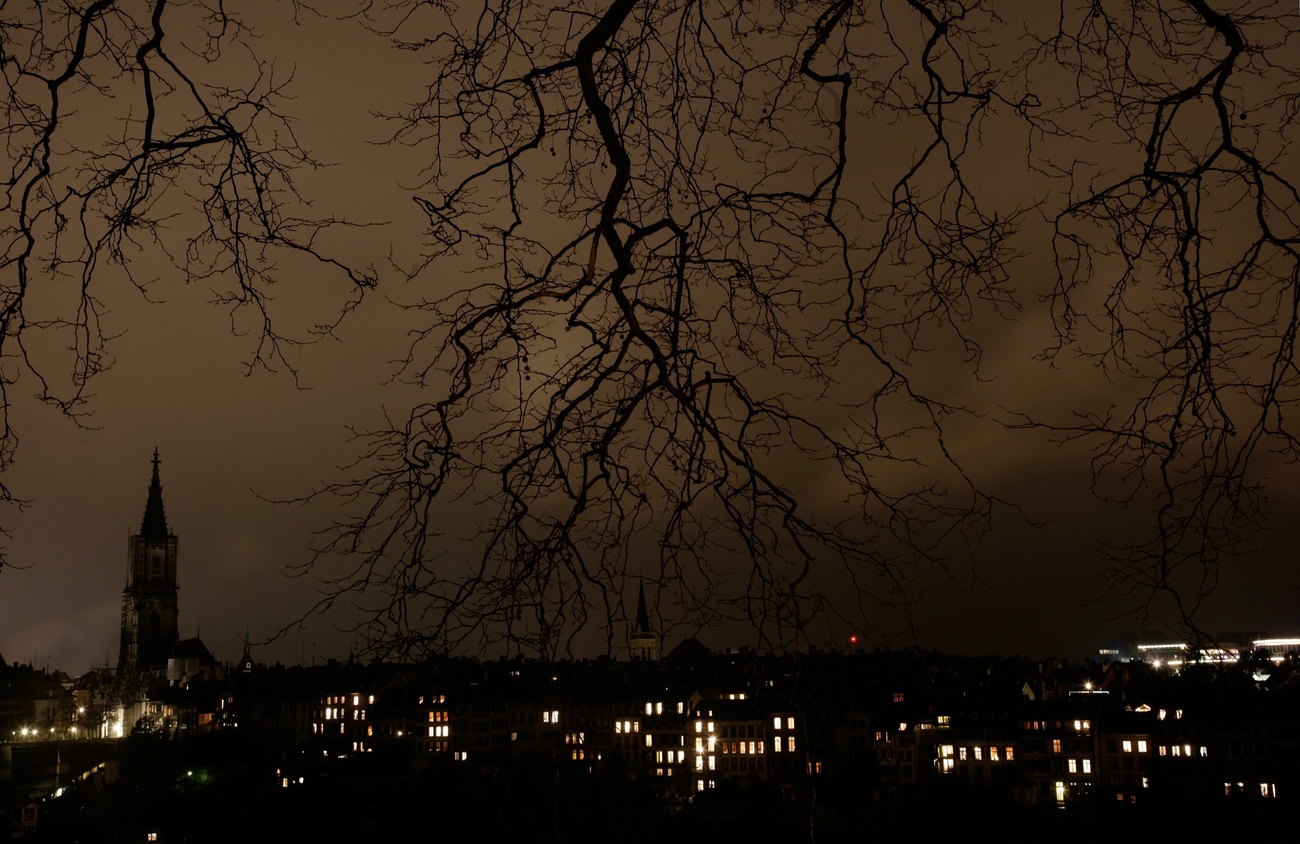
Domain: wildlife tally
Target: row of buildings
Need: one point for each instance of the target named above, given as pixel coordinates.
(894, 725)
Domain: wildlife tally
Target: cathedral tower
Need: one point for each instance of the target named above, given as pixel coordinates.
(149, 622)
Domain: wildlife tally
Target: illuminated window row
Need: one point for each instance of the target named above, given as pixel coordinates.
(657, 708)
(1266, 789)
(1080, 725)
(742, 748)
(995, 753)
(1181, 750)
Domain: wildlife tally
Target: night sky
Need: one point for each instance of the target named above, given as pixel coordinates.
(231, 441)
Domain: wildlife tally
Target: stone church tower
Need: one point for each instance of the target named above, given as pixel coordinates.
(149, 622)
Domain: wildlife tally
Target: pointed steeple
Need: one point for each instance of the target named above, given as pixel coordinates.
(642, 642)
(642, 617)
(154, 526)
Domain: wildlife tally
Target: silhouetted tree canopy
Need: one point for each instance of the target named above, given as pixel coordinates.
(706, 288)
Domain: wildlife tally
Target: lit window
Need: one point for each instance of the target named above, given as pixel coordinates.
(776, 722)
(1205, 751)
(1056, 745)
(649, 740)
(1087, 766)
(776, 744)
(961, 753)
(790, 744)
(789, 723)
(699, 726)
(978, 753)
(1072, 767)
(1163, 750)
(993, 754)
(945, 720)
(1060, 792)
(1128, 746)
(711, 727)
(649, 708)
(659, 708)
(713, 762)
(898, 697)
(1178, 751)
(1161, 714)
(1011, 754)
(1187, 750)
(1142, 746)
(356, 700)
(699, 763)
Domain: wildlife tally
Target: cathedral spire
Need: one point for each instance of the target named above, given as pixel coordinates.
(154, 526)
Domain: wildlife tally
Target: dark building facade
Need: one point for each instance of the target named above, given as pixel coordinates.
(149, 606)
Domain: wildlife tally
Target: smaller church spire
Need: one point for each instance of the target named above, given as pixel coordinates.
(642, 642)
(642, 617)
(154, 526)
